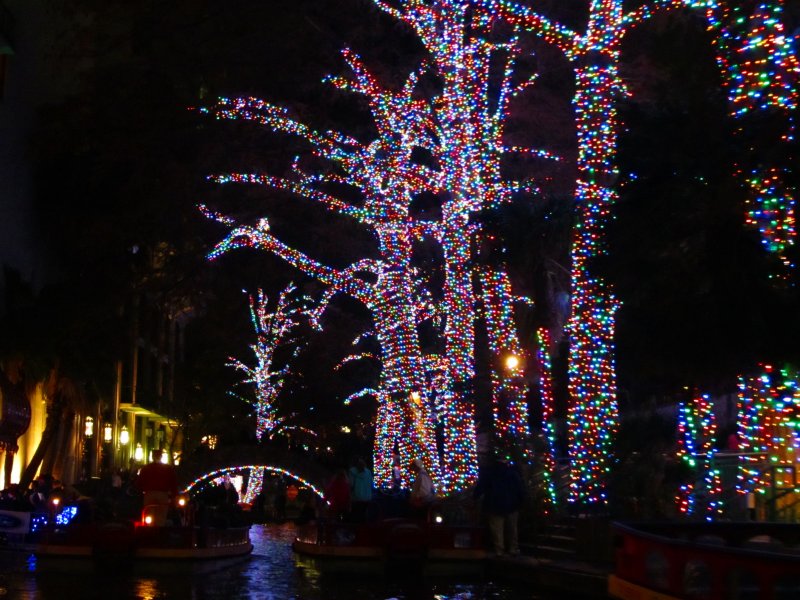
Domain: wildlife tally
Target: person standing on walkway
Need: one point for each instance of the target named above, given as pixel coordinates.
(503, 493)
(337, 495)
(422, 492)
(360, 490)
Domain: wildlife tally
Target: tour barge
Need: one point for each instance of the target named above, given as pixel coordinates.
(335, 545)
(140, 541)
(667, 561)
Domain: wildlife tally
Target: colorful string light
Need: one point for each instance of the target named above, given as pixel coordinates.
(509, 387)
(217, 476)
(769, 429)
(548, 457)
(697, 431)
(272, 330)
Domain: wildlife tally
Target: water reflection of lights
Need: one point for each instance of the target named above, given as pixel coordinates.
(147, 589)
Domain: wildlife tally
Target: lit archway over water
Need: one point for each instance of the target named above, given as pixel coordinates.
(250, 486)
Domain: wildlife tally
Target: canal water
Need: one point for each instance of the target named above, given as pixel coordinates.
(273, 572)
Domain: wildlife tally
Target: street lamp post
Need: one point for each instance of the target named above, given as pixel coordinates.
(108, 445)
(87, 450)
(124, 439)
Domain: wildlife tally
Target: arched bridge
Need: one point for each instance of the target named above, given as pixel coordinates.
(204, 465)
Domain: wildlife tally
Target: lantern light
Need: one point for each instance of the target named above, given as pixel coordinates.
(108, 432)
(88, 427)
(124, 436)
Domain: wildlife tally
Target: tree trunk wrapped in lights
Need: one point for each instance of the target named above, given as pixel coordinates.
(477, 67)
(509, 388)
(595, 56)
(697, 432)
(592, 416)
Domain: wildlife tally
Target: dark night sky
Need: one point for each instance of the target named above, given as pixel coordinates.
(34, 79)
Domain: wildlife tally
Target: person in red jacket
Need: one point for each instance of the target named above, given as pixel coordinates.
(159, 484)
(337, 495)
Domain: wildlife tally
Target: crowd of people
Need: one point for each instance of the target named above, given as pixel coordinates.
(44, 492)
(500, 491)
(350, 495)
(118, 494)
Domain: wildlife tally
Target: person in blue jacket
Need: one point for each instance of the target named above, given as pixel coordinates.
(360, 478)
(501, 488)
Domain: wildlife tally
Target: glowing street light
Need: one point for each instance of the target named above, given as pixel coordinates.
(88, 427)
(512, 362)
(108, 432)
(124, 436)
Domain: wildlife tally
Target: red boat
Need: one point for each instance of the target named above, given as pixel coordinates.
(667, 561)
(61, 537)
(389, 541)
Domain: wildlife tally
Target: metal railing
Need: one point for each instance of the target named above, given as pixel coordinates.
(780, 502)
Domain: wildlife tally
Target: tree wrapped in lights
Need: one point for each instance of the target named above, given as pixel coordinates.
(461, 127)
(478, 69)
(697, 432)
(509, 388)
(272, 331)
(769, 429)
(386, 178)
(548, 461)
(759, 58)
(594, 55)
(592, 416)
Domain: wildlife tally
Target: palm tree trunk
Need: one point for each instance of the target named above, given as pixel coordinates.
(8, 465)
(63, 468)
(52, 425)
